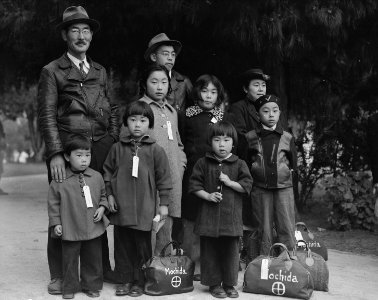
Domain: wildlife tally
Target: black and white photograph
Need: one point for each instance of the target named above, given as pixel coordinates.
(189, 149)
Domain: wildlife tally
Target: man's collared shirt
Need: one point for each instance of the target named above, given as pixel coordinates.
(78, 61)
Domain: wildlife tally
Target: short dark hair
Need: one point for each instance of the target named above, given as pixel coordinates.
(147, 72)
(139, 108)
(222, 128)
(76, 142)
(202, 82)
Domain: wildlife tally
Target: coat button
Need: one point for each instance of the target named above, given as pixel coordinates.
(218, 187)
(220, 165)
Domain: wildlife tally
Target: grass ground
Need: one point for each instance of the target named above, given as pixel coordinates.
(356, 241)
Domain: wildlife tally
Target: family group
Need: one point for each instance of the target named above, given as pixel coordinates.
(178, 156)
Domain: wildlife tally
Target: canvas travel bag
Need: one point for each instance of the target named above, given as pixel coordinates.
(315, 264)
(169, 274)
(278, 276)
(315, 245)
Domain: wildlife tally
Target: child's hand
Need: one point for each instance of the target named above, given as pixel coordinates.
(163, 211)
(112, 204)
(224, 179)
(58, 230)
(99, 214)
(215, 197)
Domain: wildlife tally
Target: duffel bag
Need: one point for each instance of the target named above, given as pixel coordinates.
(281, 276)
(315, 264)
(169, 274)
(316, 245)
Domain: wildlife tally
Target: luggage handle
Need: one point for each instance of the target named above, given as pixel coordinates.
(175, 245)
(307, 249)
(302, 224)
(276, 245)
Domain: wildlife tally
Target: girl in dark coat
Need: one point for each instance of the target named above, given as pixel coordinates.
(209, 96)
(220, 179)
(135, 169)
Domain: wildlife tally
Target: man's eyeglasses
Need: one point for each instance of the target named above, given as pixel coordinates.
(77, 31)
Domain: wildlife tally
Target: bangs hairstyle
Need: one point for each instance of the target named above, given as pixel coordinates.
(202, 82)
(77, 142)
(147, 72)
(139, 108)
(223, 128)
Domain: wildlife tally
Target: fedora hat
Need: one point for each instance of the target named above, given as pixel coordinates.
(75, 15)
(254, 74)
(157, 41)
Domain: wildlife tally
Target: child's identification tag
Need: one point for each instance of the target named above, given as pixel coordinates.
(169, 127)
(298, 235)
(213, 120)
(264, 269)
(134, 172)
(87, 195)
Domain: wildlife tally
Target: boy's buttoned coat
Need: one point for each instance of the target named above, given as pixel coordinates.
(67, 206)
(173, 148)
(223, 218)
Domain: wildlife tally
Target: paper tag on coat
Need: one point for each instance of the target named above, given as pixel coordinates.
(298, 235)
(134, 172)
(264, 269)
(213, 120)
(87, 195)
(169, 128)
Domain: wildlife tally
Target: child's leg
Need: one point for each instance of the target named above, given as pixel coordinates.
(71, 251)
(124, 253)
(191, 243)
(285, 216)
(91, 264)
(229, 248)
(143, 253)
(264, 212)
(211, 258)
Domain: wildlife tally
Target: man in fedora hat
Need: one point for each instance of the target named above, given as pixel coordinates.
(73, 99)
(163, 51)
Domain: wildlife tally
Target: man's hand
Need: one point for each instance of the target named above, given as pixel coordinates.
(58, 230)
(99, 214)
(214, 197)
(112, 204)
(58, 168)
(163, 211)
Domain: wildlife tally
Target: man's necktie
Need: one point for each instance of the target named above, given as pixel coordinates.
(81, 64)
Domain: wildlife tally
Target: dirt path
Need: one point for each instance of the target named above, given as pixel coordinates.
(23, 263)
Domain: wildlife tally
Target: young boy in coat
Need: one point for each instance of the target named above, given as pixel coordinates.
(76, 209)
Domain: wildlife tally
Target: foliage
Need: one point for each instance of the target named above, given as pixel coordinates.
(351, 201)
(21, 102)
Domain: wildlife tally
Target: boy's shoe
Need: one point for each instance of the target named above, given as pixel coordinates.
(230, 291)
(68, 296)
(136, 291)
(92, 294)
(55, 287)
(123, 289)
(217, 291)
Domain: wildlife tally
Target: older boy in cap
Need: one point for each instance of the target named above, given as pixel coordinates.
(163, 51)
(73, 99)
(274, 159)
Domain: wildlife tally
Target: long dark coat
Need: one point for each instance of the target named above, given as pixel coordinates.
(223, 218)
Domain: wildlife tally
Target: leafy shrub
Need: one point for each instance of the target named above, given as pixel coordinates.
(351, 201)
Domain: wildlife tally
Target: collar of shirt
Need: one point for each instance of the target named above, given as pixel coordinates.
(269, 128)
(170, 74)
(78, 61)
